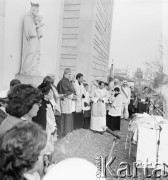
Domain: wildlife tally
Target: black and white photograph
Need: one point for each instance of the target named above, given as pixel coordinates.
(83, 89)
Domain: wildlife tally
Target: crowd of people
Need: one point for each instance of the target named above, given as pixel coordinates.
(72, 104)
(58, 110)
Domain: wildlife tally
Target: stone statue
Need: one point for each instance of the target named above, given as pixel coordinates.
(31, 41)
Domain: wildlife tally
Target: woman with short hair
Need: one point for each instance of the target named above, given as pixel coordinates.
(23, 104)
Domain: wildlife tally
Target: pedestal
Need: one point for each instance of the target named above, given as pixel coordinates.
(26, 79)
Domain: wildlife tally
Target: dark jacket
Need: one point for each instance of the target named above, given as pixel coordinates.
(41, 117)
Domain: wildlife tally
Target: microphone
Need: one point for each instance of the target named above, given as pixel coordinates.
(105, 128)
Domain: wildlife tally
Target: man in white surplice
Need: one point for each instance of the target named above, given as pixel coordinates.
(126, 94)
(80, 91)
(98, 115)
(80, 94)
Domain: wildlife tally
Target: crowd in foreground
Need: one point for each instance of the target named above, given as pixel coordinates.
(59, 110)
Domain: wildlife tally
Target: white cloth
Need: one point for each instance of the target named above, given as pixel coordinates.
(147, 138)
(97, 121)
(116, 107)
(56, 100)
(125, 113)
(50, 128)
(80, 90)
(66, 105)
(100, 93)
(73, 106)
(111, 85)
(145, 120)
(126, 93)
(146, 144)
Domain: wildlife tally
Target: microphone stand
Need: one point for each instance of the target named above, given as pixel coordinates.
(158, 144)
(160, 129)
(110, 159)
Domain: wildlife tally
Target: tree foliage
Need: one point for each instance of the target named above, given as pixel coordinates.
(138, 73)
(156, 69)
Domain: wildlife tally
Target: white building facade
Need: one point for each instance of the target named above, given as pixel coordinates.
(76, 34)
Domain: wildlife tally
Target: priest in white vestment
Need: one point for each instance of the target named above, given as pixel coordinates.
(98, 114)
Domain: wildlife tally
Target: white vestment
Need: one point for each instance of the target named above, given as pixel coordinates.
(80, 90)
(98, 115)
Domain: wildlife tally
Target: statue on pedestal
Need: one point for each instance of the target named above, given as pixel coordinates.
(31, 41)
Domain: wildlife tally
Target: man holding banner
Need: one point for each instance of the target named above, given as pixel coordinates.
(126, 94)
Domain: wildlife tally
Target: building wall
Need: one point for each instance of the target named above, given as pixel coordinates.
(70, 34)
(102, 38)
(14, 12)
(86, 37)
(76, 34)
(2, 34)
(11, 31)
